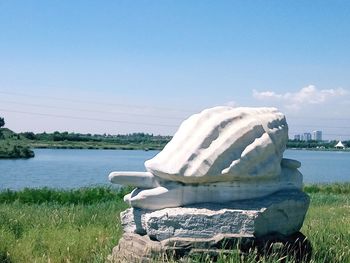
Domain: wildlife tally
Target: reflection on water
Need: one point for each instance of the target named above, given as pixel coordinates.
(77, 168)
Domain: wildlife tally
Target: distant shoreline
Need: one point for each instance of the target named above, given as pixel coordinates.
(138, 147)
(95, 147)
(18, 145)
(22, 153)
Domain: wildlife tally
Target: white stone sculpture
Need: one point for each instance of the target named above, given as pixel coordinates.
(221, 180)
(220, 155)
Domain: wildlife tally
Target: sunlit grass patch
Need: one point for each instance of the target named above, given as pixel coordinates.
(334, 188)
(54, 233)
(82, 225)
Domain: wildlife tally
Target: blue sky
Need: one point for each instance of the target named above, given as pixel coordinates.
(130, 66)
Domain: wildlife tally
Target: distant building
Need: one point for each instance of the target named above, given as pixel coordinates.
(306, 136)
(317, 135)
(297, 137)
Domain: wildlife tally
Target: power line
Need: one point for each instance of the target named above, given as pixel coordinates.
(120, 121)
(109, 120)
(143, 107)
(92, 111)
(89, 119)
(96, 103)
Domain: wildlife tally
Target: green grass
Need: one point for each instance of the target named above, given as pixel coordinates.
(70, 226)
(82, 225)
(328, 227)
(335, 188)
(63, 197)
(11, 147)
(59, 233)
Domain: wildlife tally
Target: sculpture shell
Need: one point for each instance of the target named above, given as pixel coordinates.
(219, 155)
(224, 144)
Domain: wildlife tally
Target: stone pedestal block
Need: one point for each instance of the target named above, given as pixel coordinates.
(282, 213)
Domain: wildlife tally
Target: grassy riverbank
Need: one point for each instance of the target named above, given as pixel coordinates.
(83, 226)
(11, 147)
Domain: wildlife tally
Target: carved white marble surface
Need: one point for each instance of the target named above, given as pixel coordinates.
(218, 155)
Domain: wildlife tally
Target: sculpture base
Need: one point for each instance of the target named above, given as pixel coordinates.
(282, 212)
(137, 248)
(212, 229)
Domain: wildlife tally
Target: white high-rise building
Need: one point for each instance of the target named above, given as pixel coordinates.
(306, 136)
(317, 135)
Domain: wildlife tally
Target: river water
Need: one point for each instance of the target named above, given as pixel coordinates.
(79, 168)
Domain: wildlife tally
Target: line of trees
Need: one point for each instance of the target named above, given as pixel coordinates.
(142, 138)
(145, 138)
(133, 138)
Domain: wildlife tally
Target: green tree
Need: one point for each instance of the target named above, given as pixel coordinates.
(29, 135)
(2, 122)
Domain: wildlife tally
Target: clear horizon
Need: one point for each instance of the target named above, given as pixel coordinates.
(124, 67)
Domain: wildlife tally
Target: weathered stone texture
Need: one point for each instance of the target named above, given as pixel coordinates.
(282, 212)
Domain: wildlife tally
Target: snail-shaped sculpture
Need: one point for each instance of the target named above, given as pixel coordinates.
(219, 155)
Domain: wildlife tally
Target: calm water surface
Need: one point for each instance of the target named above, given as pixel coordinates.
(77, 168)
(69, 168)
(322, 166)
